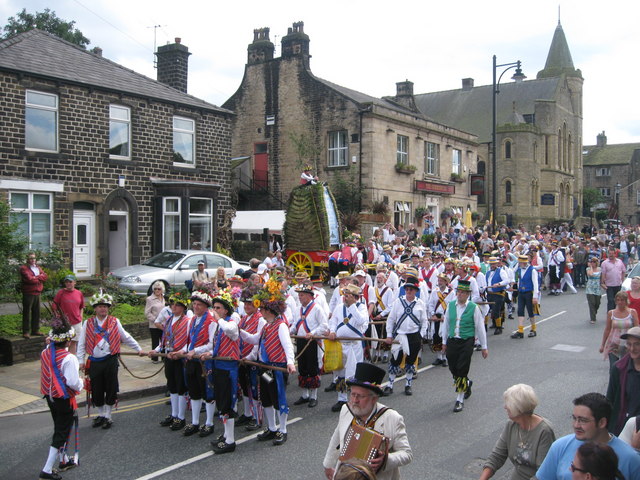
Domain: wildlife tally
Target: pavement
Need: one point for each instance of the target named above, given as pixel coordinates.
(20, 383)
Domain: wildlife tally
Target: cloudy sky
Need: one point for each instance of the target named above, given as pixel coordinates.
(369, 46)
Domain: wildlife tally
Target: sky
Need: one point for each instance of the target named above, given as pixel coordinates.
(369, 46)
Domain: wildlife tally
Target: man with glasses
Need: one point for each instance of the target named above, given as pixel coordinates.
(590, 417)
(363, 409)
(624, 383)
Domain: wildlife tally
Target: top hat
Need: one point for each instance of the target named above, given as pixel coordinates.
(368, 376)
(464, 286)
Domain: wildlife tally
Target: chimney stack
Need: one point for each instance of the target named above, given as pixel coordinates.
(404, 89)
(173, 65)
(467, 83)
(601, 140)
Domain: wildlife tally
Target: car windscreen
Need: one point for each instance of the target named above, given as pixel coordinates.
(164, 260)
(635, 272)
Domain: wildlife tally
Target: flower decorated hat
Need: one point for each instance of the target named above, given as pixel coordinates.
(61, 331)
(227, 300)
(270, 297)
(101, 298)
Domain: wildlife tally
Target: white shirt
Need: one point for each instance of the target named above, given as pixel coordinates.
(408, 325)
(359, 321)
(316, 319)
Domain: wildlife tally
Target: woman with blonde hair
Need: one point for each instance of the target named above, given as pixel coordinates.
(619, 320)
(525, 439)
(153, 306)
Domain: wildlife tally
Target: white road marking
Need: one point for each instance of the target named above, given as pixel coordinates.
(202, 456)
(548, 318)
(568, 348)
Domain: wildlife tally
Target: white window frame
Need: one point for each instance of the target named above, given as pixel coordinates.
(402, 150)
(201, 215)
(165, 214)
(432, 158)
(605, 191)
(456, 163)
(120, 121)
(34, 106)
(637, 197)
(603, 172)
(30, 211)
(338, 148)
(183, 131)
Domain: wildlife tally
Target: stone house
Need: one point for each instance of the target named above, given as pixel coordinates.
(539, 138)
(615, 171)
(106, 163)
(287, 117)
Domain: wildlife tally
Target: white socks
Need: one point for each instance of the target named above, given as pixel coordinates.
(173, 397)
(283, 422)
(313, 393)
(107, 411)
(211, 409)
(247, 408)
(51, 460)
(305, 393)
(229, 435)
(195, 411)
(182, 406)
(460, 397)
(270, 415)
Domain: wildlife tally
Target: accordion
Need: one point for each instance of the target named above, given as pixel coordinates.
(363, 443)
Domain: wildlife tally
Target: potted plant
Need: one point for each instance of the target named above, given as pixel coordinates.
(475, 216)
(446, 213)
(379, 213)
(456, 177)
(405, 168)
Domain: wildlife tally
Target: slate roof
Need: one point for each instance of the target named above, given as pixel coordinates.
(559, 58)
(42, 54)
(470, 110)
(386, 102)
(619, 154)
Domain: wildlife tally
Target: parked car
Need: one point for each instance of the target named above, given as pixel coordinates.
(634, 272)
(172, 267)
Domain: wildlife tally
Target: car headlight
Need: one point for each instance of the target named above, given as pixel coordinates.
(131, 279)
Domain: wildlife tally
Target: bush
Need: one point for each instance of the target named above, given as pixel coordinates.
(111, 285)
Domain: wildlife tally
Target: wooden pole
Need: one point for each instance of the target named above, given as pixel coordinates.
(344, 339)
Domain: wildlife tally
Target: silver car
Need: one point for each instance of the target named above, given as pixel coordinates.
(172, 267)
(634, 272)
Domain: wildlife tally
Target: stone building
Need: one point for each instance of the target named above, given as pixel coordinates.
(539, 137)
(106, 163)
(615, 171)
(287, 117)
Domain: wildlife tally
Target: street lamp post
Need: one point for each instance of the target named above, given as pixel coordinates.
(617, 192)
(518, 76)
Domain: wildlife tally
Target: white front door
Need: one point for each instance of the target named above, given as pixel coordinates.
(118, 239)
(84, 243)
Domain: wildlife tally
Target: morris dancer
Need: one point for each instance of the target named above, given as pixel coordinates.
(407, 322)
(174, 339)
(528, 294)
(439, 299)
(349, 321)
(251, 322)
(59, 384)
(497, 281)
(309, 320)
(226, 344)
(274, 349)
(100, 339)
(200, 341)
(384, 298)
(463, 322)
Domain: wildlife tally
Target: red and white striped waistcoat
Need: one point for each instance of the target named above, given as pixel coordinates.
(175, 335)
(271, 342)
(249, 324)
(203, 333)
(51, 385)
(223, 346)
(109, 332)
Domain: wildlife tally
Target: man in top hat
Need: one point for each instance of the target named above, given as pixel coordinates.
(309, 320)
(348, 321)
(497, 281)
(364, 409)
(407, 322)
(462, 323)
(59, 383)
(527, 279)
(100, 340)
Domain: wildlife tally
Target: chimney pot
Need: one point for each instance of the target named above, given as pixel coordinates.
(467, 83)
(178, 39)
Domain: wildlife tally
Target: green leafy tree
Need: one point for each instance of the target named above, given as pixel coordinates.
(13, 248)
(591, 197)
(47, 21)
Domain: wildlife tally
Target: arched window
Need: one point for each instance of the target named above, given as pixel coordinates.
(559, 160)
(507, 191)
(535, 152)
(507, 149)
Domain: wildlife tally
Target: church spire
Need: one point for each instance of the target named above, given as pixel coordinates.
(559, 58)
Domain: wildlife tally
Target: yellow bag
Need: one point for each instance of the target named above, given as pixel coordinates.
(332, 355)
